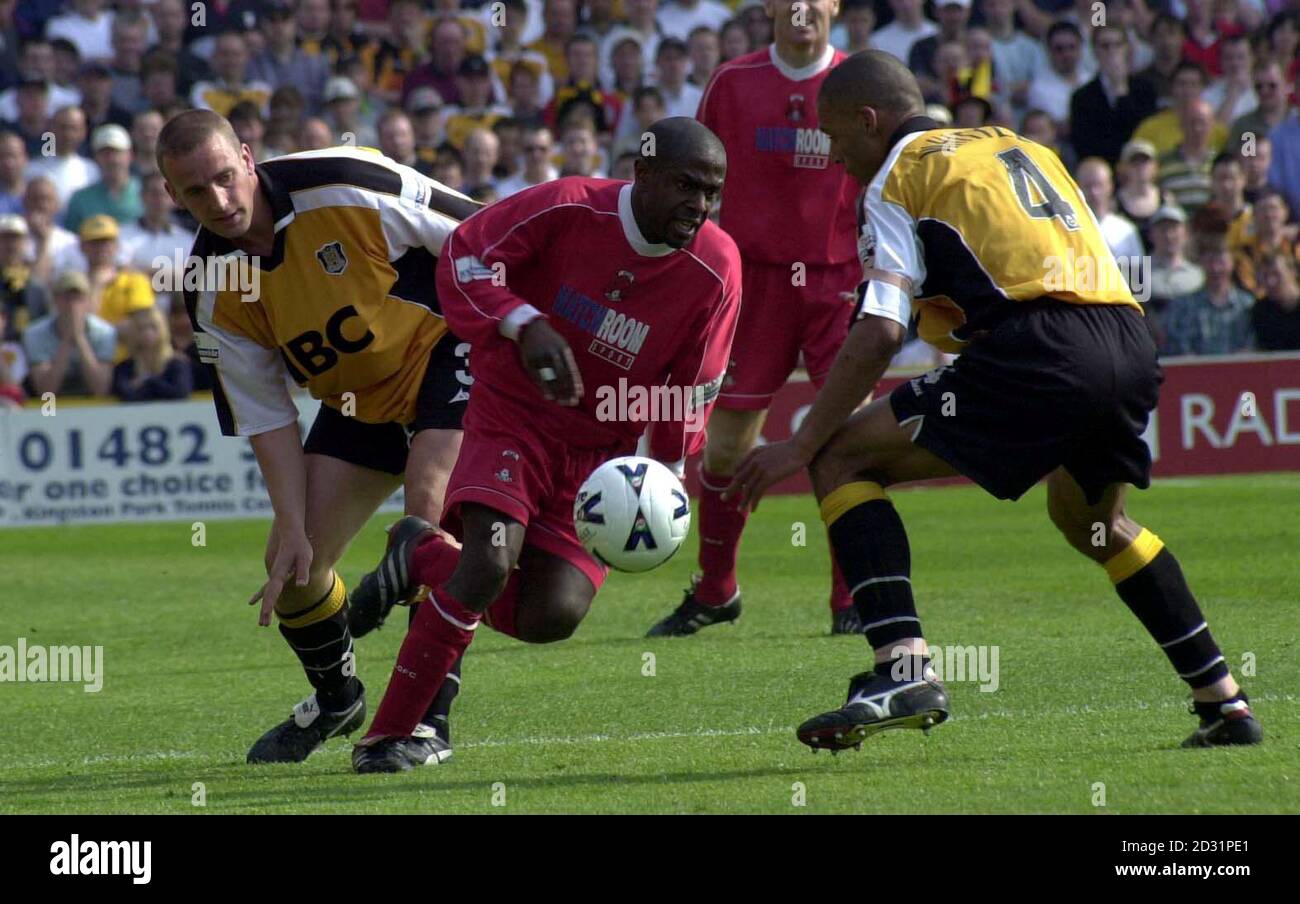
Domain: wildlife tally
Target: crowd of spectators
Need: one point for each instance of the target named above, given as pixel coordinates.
(1177, 118)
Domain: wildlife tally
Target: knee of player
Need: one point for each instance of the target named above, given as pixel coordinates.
(829, 470)
(725, 451)
(486, 571)
(1087, 532)
(561, 620)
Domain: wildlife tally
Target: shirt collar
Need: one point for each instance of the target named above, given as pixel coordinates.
(914, 124)
(632, 231)
(281, 202)
(798, 75)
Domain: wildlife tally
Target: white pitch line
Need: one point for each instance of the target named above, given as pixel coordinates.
(542, 741)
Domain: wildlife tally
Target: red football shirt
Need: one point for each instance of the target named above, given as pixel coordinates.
(637, 315)
(783, 201)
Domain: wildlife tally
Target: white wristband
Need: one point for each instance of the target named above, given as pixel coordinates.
(512, 325)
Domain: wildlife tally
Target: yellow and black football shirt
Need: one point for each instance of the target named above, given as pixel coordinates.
(960, 224)
(345, 303)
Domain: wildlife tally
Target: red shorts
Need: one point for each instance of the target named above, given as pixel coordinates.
(779, 320)
(509, 463)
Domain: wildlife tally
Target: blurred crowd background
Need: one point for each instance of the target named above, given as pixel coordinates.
(1177, 118)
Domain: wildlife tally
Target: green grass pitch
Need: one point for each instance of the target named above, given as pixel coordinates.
(1083, 697)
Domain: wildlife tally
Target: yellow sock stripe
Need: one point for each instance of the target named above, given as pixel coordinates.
(851, 495)
(1134, 557)
(322, 609)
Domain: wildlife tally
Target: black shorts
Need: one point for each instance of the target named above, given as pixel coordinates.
(440, 405)
(1052, 385)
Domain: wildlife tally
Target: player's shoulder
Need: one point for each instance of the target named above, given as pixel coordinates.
(360, 167)
(930, 153)
(716, 250)
(600, 195)
(740, 67)
(364, 168)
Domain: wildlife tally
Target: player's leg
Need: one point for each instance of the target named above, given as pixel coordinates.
(956, 419)
(435, 442)
(763, 354)
(429, 463)
(830, 298)
(443, 628)
(341, 497)
(1148, 579)
(714, 595)
(545, 600)
(869, 453)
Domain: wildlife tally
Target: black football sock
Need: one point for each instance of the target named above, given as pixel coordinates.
(320, 637)
(1147, 578)
(439, 710)
(904, 667)
(871, 547)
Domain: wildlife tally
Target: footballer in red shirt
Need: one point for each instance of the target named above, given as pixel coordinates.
(564, 291)
(792, 212)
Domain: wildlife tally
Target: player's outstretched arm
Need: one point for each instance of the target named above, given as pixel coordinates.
(862, 361)
(280, 458)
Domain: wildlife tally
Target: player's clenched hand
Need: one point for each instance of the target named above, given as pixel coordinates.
(550, 363)
(292, 559)
(761, 468)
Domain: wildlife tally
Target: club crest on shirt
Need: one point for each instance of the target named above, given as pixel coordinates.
(332, 258)
(621, 285)
(795, 110)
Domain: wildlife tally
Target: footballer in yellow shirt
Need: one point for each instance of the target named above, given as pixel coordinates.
(983, 239)
(317, 269)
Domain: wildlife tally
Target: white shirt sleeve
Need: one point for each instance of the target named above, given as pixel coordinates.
(254, 396)
(890, 254)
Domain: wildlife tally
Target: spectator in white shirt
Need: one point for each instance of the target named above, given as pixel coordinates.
(88, 26)
(67, 169)
(1094, 178)
(1017, 57)
(909, 26)
(151, 243)
(48, 244)
(681, 98)
(1052, 88)
(36, 64)
(679, 18)
(537, 146)
(1233, 95)
(641, 22)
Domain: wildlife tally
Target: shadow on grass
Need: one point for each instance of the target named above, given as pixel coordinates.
(278, 786)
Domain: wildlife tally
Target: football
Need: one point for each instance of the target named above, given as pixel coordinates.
(632, 513)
